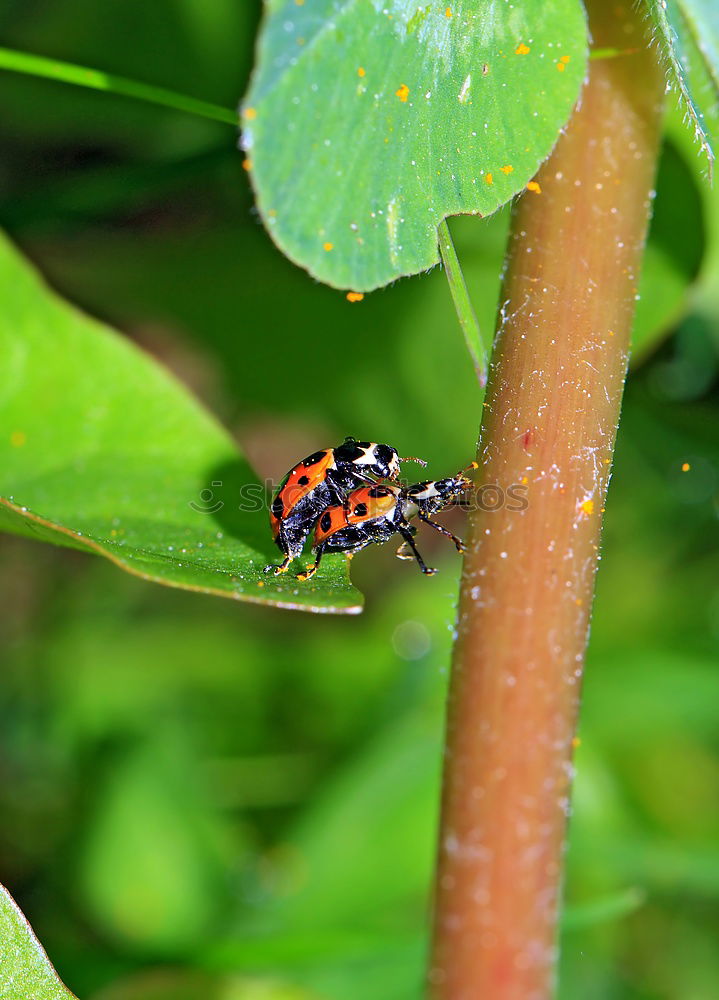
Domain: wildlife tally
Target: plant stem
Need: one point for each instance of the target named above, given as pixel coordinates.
(460, 297)
(53, 69)
(549, 425)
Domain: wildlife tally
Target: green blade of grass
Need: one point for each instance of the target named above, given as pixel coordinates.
(82, 76)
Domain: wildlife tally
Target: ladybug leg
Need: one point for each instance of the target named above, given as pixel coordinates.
(312, 569)
(403, 552)
(339, 497)
(366, 479)
(290, 542)
(461, 547)
(278, 568)
(340, 492)
(405, 532)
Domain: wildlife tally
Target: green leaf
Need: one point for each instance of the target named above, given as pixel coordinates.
(163, 983)
(688, 35)
(165, 901)
(701, 19)
(673, 254)
(369, 121)
(603, 910)
(25, 969)
(102, 450)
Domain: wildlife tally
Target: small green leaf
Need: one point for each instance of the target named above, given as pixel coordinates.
(688, 36)
(673, 255)
(25, 969)
(603, 910)
(369, 121)
(101, 449)
(701, 18)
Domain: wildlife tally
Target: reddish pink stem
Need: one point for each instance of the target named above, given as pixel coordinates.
(549, 425)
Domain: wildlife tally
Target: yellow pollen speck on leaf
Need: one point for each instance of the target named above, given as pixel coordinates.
(250, 114)
(521, 49)
(576, 742)
(402, 93)
(560, 67)
(448, 12)
(587, 507)
(488, 179)
(686, 467)
(361, 71)
(565, 59)
(328, 246)
(507, 169)
(18, 439)
(354, 296)
(534, 186)
(260, 583)
(247, 164)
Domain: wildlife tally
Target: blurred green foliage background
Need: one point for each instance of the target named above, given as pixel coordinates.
(205, 801)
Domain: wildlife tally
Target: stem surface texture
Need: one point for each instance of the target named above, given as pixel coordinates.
(550, 420)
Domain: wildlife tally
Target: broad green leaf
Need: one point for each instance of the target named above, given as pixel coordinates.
(688, 36)
(25, 969)
(369, 121)
(101, 449)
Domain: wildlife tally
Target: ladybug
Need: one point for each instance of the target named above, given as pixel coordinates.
(375, 513)
(321, 480)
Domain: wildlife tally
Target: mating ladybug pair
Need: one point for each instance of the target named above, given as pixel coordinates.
(333, 492)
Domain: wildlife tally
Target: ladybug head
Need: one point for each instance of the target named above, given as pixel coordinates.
(432, 495)
(379, 459)
(385, 461)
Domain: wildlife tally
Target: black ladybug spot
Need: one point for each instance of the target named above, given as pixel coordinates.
(278, 508)
(361, 509)
(314, 459)
(379, 491)
(326, 521)
(303, 480)
(350, 451)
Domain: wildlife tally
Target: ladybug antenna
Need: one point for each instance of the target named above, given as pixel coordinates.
(419, 461)
(469, 468)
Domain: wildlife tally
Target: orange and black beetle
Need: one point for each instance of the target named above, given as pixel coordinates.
(322, 480)
(375, 513)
